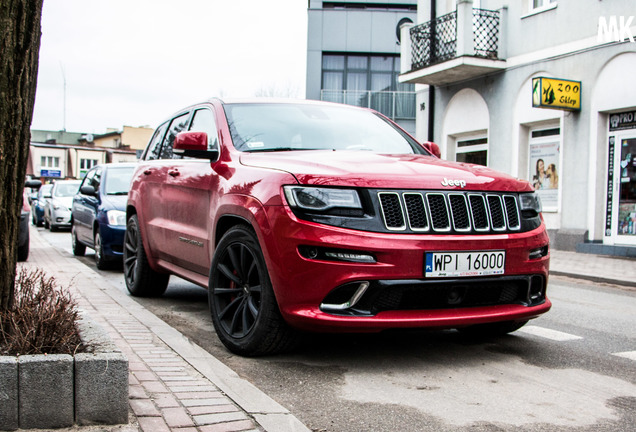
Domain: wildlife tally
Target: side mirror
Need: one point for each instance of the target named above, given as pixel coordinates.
(33, 184)
(88, 190)
(194, 144)
(433, 148)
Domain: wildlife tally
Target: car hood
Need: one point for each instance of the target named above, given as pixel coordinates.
(114, 202)
(65, 201)
(366, 169)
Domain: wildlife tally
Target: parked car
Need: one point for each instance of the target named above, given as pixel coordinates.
(38, 204)
(323, 217)
(23, 233)
(98, 215)
(57, 211)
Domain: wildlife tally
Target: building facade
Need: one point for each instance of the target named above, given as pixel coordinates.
(63, 155)
(542, 90)
(353, 55)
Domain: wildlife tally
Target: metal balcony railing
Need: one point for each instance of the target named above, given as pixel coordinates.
(436, 41)
(394, 104)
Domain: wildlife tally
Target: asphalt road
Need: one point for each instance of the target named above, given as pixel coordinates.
(573, 369)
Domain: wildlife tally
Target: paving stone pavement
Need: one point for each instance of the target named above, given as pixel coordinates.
(174, 385)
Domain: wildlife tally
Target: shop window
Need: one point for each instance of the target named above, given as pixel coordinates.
(545, 165)
(474, 150)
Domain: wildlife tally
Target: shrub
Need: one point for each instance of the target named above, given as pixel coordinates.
(42, 318)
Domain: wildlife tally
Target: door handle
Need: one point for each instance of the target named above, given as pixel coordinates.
(174, 172)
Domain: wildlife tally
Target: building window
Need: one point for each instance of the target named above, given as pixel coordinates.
(86, 164)
(369, 81)
(473, 150)
(540, 5)
(50, 162)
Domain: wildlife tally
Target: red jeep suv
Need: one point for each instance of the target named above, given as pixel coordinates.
(311, 216)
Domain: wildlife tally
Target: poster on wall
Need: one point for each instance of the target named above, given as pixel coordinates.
(544, 173)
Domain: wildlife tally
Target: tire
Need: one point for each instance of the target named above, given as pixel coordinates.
(101, 261)
(141, 279)
(23, 250)
(492, 329)
(242, 303)
(78, 248)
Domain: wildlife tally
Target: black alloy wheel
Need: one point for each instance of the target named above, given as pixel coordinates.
(242, 303)
(141, 279)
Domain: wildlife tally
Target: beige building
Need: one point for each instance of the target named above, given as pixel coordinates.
(61, 154)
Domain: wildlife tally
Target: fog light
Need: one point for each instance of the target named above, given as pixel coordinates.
(538, 253)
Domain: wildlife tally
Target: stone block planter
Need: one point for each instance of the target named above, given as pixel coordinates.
(59, 390)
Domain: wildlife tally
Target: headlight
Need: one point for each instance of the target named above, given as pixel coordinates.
(116, 217)
(530, 201)
(321, 199)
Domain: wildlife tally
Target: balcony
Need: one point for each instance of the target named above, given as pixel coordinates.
(459, 46)
(395, 105)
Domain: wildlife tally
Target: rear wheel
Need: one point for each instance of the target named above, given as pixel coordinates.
(78, 248)
(242, 303)
(101, 261)
(141, 279)
(492, 329)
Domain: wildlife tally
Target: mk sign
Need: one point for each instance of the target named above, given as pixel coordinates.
(614, 29)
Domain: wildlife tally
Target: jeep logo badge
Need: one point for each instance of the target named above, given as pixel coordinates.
(459, 183)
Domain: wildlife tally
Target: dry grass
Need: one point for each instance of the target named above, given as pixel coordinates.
(42, 319)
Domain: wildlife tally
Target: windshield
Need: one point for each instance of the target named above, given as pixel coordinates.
(66, 189)
(262, 127)
(118, 180)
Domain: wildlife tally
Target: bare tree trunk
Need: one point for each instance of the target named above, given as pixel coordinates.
(19, 50)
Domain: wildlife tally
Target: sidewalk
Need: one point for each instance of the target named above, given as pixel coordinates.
(597, 268)
(174, 384)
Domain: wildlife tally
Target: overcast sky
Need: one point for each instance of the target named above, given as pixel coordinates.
(135, 62)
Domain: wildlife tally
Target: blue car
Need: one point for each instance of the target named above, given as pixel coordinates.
(38, 204)
(98, 214)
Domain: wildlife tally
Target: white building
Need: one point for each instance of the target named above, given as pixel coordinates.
(353, 55)
(481, 68)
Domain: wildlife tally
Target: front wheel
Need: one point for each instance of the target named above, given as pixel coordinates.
(141, 279)
(242, 303)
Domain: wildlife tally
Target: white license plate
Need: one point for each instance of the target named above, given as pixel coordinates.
(463, 264)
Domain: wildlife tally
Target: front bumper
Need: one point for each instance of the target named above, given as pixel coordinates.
(60, 218)
(400, 296)
(112, 239)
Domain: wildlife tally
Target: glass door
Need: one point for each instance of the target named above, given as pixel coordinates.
(625, 169)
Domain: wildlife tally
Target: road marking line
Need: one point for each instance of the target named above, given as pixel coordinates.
(549, 334)
(628, 355)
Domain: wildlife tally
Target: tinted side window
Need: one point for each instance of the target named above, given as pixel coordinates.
(97, 179)
(203, 121)
(87, 180)
(177, 125)
(154, 146)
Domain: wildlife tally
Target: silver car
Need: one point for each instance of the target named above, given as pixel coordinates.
(57, 212)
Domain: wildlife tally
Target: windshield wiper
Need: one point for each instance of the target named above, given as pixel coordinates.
(117, 193)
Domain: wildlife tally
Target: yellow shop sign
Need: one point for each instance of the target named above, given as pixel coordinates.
(556, 93)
